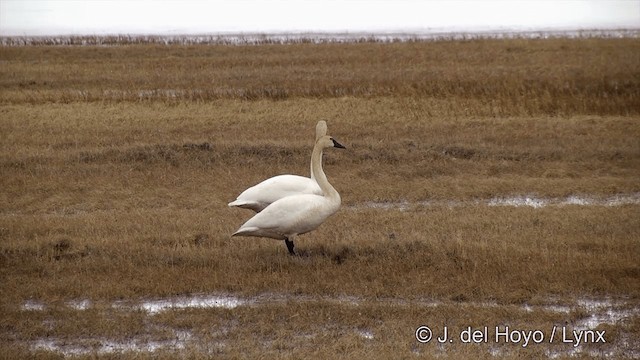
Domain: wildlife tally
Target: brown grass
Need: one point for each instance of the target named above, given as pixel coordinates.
(482, 77)
(108, 197)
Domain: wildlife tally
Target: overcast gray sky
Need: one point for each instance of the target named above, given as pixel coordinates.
(53, 17)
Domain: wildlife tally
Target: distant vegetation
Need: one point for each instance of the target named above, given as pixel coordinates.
(485, 77)
(242, 39)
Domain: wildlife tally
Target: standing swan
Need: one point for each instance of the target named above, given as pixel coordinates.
(297, 214)
(261, 195)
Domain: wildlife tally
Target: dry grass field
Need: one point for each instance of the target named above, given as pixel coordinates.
(485, 183)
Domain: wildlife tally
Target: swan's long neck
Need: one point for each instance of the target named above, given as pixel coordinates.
(316, 169)
(321, 130)
(313, 175)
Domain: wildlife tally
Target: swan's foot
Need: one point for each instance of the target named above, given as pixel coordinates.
(289, 246)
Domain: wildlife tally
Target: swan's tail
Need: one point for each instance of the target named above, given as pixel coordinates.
(251, 205)
(242, 231)
(258, 232)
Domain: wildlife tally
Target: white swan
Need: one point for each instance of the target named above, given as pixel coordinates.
(297, 214)
(261, 195)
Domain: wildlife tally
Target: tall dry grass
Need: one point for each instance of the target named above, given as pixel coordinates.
(397, 150)
(117, 164)
(477, 77)
(126, 190)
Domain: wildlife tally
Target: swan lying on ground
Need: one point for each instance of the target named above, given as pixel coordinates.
(261, 195)
(297, 214)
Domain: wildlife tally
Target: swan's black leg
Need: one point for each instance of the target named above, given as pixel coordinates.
(289, 246)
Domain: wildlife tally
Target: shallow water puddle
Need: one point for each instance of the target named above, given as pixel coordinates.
(105, 346)
(366, 334)
(601, 311)
(513, 201)
(82, 304)
(33, 305)
(195, 301)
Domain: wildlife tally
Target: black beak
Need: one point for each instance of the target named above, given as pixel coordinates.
(337, 144)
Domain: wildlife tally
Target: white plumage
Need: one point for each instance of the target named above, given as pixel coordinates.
(261, 195)
(294, 215)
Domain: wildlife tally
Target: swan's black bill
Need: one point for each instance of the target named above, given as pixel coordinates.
(337, 144)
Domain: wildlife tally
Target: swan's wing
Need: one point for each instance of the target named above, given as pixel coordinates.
(296, 214)
(276, 188)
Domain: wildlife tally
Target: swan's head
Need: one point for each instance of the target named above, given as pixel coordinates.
(328, 141)
(321, 129)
